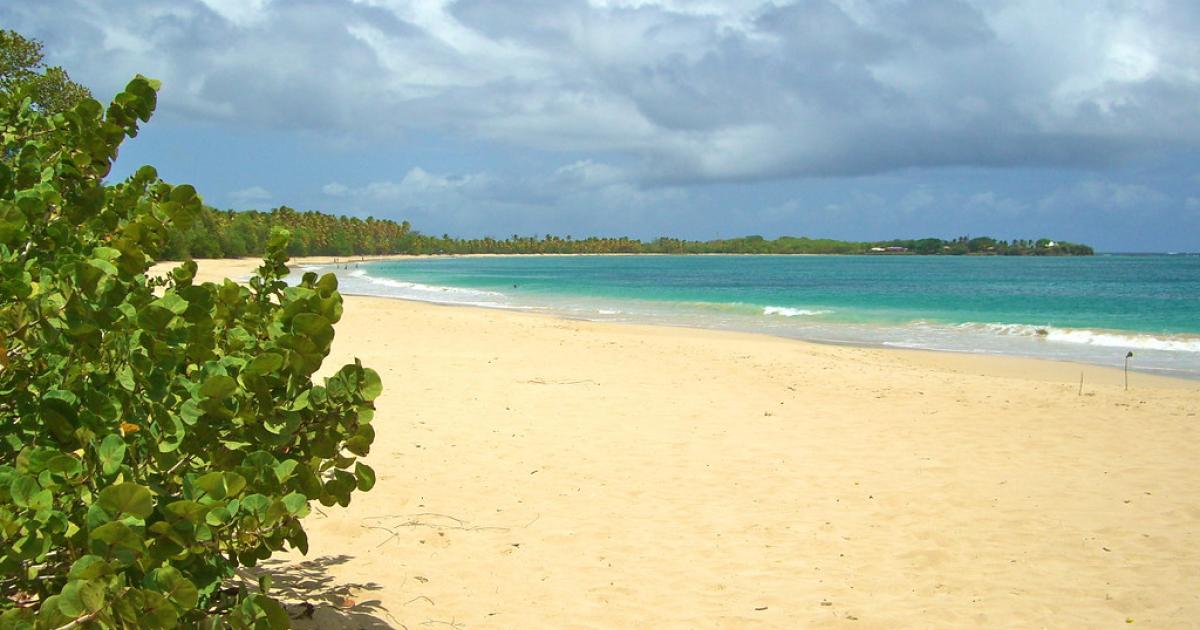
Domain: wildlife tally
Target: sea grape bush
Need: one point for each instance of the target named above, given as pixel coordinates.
(155, 433)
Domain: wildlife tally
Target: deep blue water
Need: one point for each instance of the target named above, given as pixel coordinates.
(1092, 309)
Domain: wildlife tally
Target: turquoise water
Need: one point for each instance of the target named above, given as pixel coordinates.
(1093, 309)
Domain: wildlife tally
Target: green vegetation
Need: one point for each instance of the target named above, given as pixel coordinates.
(229, 234)
(225, 234)
(23, 74)
(155, 433)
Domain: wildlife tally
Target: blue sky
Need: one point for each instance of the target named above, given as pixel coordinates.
(855, 119)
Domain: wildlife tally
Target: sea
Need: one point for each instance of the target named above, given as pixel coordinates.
(1096, 309)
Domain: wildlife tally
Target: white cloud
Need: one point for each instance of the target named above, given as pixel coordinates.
(335, 189)
(694, 91)
(991, 203)
(1095, 194)
(240, 12)
(589, 174)
(917, 199)
(250, 196)
(592, 183)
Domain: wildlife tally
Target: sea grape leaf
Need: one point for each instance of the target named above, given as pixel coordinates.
(176, 588)
(127, 498)
(295, 502)
(65, 465)
(22, 488)
(89, 567)
(218, 386)
(372, 386)
(122, 389)
(157, 611)
(264, 364)
(112, 454)
(364, 476)
(117, 534)
(219, 485)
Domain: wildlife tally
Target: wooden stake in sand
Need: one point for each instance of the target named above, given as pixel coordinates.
(1127, 358)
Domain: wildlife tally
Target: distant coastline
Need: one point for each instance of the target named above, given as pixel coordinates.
(235, 234)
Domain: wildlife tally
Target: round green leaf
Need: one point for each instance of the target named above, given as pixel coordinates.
(372, 386)
(157, 612)
(112, 454)
(364, 475)
(218, 386)
(117, 534)
(257, 505)
(69, 602)
(310, 324)
(295, 502)
(65, 465)
(89, 567)
(264, 363)
(127, 498)
(177, 589)
(218, 516)
(219, 485)
(189, 511)
(22, 489)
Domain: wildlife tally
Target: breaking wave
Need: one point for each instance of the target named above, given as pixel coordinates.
(371, 285)
(785, 311)
(1089, 337)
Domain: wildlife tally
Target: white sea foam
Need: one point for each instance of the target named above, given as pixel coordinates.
(420, 291)
(1100, 338)
(785, 311)
(1176, 353)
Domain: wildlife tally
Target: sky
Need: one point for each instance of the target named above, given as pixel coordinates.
(1076, 120)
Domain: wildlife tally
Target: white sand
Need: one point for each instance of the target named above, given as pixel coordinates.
(541, 473)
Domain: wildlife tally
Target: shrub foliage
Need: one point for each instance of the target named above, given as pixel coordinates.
(155, 433)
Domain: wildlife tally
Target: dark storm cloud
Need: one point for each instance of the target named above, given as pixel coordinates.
(745, 92)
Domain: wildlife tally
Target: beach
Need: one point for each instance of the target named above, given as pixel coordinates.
(538, 472)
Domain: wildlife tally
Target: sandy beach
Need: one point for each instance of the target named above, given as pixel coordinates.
(536, 472)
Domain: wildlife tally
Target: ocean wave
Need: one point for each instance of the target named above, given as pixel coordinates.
(785, 311)
(1089, 337)
(424, 289)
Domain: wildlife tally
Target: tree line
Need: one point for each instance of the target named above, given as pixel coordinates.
(233, 234)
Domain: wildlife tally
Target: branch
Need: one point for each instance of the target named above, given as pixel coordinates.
(80, 621)
(178, 464)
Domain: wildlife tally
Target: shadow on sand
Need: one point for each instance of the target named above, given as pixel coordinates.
(315, 599)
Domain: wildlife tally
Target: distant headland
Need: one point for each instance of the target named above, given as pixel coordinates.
(233, 234)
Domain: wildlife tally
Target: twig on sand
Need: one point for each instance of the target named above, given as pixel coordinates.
(542, 381)
(414, 519)
(421, 520)
(452, 623)
(393, 533)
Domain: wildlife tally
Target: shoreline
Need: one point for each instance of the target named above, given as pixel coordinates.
(216, 269)
(535, 471)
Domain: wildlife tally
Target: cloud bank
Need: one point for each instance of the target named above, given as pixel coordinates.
(682, 91)
(698, 118)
